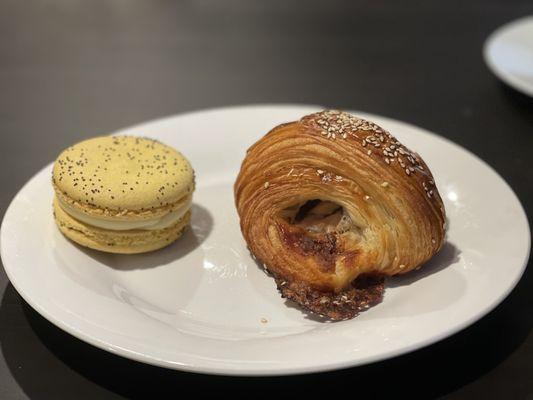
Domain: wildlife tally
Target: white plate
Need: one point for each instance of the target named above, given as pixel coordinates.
(509, 54)
(204, 305)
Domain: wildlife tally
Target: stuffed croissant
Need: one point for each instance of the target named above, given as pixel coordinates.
(331, 205)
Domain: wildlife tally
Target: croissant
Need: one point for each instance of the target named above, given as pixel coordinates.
(331, 205)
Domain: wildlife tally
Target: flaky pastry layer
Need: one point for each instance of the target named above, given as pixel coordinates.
(332, 197)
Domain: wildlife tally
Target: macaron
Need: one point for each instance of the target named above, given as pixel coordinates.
(122, 194)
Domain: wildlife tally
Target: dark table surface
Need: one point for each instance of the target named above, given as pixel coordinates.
(72, 69)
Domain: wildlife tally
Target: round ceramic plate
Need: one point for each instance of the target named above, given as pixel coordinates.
(509, 54)
(204, 305)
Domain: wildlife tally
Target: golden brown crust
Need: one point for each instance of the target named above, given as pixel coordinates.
(396, 214)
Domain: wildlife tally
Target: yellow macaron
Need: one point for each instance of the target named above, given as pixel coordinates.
(122, 194)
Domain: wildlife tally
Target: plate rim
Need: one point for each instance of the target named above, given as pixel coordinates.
(314, 368)
(494, 67)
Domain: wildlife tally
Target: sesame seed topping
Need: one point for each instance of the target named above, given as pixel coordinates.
(327, 177)
(266, 185)
(334, 124)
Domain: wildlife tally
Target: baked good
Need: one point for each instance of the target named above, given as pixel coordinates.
(331, 204)
(122, 194)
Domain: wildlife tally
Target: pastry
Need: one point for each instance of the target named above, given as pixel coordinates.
(122, 194)
(331, 205)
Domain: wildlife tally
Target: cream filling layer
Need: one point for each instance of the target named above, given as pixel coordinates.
(148, 224)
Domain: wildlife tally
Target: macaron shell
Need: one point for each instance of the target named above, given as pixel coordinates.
(121, 215)
(122, 174)
(123, 242)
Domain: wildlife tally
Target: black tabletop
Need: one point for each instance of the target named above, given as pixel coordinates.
(70, 69)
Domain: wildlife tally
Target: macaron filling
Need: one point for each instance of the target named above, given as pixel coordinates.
(152, 224)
